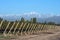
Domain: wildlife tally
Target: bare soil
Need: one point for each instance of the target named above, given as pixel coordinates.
(49, 35)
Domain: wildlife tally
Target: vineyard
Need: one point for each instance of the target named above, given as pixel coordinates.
(21, 28)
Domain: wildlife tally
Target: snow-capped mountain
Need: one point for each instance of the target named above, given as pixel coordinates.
(40, 17)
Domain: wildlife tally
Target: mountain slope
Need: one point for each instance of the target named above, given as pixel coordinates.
(28, 16)
(55, 19)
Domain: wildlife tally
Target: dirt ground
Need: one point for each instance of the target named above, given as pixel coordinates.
(52, 35)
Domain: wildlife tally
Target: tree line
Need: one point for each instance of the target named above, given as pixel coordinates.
(33, 20)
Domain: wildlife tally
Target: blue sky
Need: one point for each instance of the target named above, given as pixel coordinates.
(24, 6)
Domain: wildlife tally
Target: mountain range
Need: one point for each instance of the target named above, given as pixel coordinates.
(28, 16)
(55, 19)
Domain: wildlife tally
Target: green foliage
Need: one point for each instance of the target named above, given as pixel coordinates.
(1, 20)
(25, 28)
(22, 19)
(33, 20)
(51, 23)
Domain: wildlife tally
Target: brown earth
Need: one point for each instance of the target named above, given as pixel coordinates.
(49, 35)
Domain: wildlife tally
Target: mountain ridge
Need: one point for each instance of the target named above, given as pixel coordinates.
(28, 16)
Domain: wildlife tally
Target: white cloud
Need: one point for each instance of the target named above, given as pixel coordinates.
(31, 14)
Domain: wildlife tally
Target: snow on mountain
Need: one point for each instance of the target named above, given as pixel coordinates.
(40, 17)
